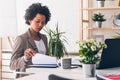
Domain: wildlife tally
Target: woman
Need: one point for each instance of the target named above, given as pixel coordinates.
(32, 41)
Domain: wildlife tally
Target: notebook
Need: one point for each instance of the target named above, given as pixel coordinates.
(109, 77)
(44, 65)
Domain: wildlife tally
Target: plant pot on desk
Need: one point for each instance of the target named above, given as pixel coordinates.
(89, 52)
(89, 70)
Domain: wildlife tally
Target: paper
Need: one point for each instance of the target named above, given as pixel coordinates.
(76, 60)
(43, 59)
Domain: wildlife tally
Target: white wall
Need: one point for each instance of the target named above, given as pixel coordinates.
(65, 12)
(8, 23)
(7, 18)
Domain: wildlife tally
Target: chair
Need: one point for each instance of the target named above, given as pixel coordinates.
(56, 77)
(5, 55)
(0, 58)
(11, 41)
(111, 55)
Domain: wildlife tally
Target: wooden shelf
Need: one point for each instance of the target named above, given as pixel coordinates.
(102, 8)
(87, 21)
(112, 28)
(87, 11)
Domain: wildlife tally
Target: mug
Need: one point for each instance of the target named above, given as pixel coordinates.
(66, 63)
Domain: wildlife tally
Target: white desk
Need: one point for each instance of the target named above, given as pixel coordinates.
(43, 73)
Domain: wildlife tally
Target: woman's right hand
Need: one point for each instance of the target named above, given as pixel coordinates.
(29, 53)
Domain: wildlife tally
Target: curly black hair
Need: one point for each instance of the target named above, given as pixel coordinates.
(34, 9)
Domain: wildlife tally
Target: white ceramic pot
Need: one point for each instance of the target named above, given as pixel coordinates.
(89, 70)
(98, 24)
(100, 3)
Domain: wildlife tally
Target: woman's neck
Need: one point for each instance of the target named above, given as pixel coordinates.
(35, 35)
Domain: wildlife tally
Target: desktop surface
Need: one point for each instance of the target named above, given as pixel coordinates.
(44, 73)
(74, 74)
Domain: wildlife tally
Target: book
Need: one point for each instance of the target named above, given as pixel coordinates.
(109, 76)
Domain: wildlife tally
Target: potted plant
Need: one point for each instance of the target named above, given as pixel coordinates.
(98, 18)
(100, 3)
(88, 50)
(56, 42)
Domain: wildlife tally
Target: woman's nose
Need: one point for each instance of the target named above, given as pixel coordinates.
(41, 24)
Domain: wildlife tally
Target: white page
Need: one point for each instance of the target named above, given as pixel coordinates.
(43, 59)
(76, 60)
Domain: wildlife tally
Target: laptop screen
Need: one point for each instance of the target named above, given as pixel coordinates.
(111, 55)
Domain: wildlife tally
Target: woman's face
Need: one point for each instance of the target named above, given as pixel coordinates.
(38, 22)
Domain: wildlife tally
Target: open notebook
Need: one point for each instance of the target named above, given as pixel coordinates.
(40, 60)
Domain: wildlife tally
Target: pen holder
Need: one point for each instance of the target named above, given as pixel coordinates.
(66, 63)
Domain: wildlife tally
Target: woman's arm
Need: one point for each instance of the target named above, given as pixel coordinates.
(17, 59)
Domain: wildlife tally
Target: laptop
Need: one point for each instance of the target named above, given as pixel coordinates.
(111, 55)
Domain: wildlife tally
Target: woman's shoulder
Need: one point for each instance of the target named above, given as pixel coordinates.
(43, 35)
(22, 36)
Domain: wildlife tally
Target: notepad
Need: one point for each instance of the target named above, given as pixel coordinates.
(113, 76)
(40, 60)
(44, 65)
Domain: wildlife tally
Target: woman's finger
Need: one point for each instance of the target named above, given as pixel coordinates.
(32, 51)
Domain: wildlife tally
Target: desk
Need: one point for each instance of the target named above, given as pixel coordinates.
(43, 73)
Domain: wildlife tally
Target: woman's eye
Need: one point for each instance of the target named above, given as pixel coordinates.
(43, 22)
(37, 21)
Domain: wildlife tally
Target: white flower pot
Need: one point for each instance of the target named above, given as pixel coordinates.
(100, 3)
(98, 24)
(89, 70)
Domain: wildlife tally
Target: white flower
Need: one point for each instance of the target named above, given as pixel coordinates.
(93, 48)
(89, 49)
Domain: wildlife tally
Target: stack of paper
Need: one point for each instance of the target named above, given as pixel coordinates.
(40, 60)
(76, 61)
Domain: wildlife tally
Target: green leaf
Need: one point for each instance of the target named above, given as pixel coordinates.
(56, 42)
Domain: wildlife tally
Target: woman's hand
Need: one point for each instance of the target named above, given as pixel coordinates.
(29, 53)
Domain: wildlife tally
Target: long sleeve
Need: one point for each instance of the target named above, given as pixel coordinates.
(17, 60)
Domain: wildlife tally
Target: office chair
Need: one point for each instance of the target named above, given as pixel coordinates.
(56, 77)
